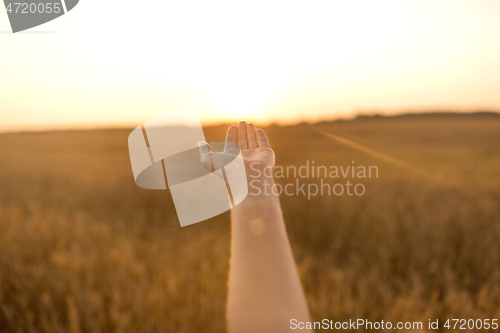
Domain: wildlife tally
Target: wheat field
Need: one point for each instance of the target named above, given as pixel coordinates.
(83, 249)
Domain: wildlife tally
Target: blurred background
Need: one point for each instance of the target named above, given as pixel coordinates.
(411, 87)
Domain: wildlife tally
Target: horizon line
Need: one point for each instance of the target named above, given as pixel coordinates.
(361, 115)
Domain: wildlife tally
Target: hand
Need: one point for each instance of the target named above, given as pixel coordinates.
(257, 154)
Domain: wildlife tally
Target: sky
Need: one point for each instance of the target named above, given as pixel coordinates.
(119, 63)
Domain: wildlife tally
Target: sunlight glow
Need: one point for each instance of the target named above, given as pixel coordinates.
(239, 91)
(282, 61)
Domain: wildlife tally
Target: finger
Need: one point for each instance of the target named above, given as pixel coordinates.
(206, 155)
(262, 139)
(232, 134)
(231, 138)
(242, 135)
(251, 136)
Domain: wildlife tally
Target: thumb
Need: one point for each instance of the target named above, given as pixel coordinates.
(206, 155)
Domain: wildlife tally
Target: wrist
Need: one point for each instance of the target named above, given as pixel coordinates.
(262, 186)
(261, 198)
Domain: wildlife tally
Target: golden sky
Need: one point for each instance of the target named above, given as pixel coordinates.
(115, 63)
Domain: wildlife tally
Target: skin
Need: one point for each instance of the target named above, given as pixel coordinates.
(265, 291)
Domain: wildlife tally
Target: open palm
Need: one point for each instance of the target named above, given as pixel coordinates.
(255, 149)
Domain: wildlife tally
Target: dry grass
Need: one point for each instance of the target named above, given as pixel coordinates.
(82, 249)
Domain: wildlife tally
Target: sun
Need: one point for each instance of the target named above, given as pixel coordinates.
(239, 89)
(239, 96)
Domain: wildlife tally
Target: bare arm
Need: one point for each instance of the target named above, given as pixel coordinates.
(265, 292)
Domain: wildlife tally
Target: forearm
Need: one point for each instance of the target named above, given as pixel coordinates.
(265, 292)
